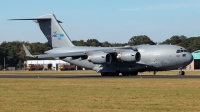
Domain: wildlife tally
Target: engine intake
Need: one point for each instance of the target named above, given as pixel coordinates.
(100, 58)
(129, 56)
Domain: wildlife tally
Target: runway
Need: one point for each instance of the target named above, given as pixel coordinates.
(96, 76)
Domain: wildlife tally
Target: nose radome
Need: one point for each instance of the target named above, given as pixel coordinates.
(190, 58)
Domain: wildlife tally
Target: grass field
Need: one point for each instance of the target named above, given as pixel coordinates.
(99, 95)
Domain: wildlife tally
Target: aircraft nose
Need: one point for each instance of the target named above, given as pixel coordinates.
(190, 58)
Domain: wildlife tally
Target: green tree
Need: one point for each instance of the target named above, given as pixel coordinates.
(14, 52)
(20, 64)
(195, 44)
(93, 42)
(106, 44)
(187, 43)
(175, 40)
(79, 43)
(138, 40)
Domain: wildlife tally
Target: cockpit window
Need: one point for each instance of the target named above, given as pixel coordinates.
(178, 51)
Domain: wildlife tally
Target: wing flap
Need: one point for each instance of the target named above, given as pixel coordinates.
(53, 55)
(71, 54)
(61, 55)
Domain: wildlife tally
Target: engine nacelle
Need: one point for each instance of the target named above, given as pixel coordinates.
(100, 58)
(129, 56)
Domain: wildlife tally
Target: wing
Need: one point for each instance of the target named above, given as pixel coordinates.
(53, 55)
(127, 54)
(69, 54)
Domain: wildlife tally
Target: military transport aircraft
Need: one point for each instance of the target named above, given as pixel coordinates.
(109, 61)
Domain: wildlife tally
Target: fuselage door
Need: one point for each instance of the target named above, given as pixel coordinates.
(155, 62)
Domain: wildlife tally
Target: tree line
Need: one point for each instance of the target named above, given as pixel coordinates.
(191, 44)
(14, 54)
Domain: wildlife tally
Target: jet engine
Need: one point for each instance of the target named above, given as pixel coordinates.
(100, 58)
(129, 56)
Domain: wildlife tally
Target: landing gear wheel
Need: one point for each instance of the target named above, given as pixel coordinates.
(181, 73)
(104, 74)
(133, 73)
(116, 73)
(111, 73)
(154, 72)
(125, 74)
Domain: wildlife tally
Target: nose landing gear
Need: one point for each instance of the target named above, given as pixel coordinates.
(181, 72)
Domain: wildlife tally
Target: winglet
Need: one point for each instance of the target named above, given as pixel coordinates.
(27, 52)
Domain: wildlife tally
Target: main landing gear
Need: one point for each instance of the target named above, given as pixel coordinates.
(117, 73)
(110, 74)
(129, 73)
(154, 72)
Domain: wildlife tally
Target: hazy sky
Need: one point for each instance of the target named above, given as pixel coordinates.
(104, 20)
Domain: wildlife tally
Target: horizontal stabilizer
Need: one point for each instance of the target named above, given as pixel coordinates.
(36, 19)
(33, 19)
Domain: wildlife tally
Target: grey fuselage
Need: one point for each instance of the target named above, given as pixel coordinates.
(153, 58)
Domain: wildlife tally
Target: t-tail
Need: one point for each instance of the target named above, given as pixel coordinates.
(52, 30)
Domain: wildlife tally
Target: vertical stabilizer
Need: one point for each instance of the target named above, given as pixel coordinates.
(52, 30)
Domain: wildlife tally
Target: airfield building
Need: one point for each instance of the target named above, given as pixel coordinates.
(47, 64)
(195, 64)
